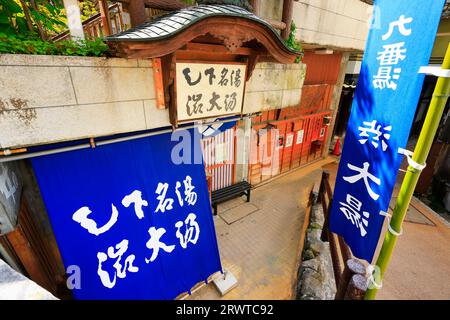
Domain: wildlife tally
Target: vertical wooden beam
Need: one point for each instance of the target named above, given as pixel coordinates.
(122, 26)
(335, 257)
(288, 7)
(256, 6)
(106, 20)
(159, 85)
(168, 73)
(28, 257)
(136, 8)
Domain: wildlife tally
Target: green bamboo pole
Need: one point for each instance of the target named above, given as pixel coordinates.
(430, 126)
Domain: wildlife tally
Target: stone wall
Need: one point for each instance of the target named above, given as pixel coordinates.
(48, 99)
(274, 84)
(342, 24)
(54, 98)
(315, 275)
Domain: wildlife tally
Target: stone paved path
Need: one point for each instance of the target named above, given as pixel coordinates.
(262, 248)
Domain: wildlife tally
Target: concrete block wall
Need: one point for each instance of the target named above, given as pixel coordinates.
(341, 24)
(48, 99)
(274, 86)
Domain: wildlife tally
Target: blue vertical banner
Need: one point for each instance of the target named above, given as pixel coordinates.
(130, 222)
(400, 42)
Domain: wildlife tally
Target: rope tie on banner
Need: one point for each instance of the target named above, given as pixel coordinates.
(371, 278)
(435, 71)
(411, 162)
(390, 229)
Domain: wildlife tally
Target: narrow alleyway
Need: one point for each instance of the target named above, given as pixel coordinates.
(259, 241)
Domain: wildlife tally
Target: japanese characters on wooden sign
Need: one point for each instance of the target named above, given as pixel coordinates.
(209, 90)
(400, 42)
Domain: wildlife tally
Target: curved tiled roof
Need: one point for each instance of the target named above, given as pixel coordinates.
(175, 22)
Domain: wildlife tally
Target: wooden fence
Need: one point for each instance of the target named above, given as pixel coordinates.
(349, 272)
(93, 27)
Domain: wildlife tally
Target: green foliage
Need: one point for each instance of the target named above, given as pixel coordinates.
(26, 27)
(38, 18)
(189, 2)
(87, 9)
(31, 17)
(18, 45)
(293, 43)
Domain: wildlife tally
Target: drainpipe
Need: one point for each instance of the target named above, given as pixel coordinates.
(74, 19)
(288, 7)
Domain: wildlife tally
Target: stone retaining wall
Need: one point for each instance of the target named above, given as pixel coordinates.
(315, 274)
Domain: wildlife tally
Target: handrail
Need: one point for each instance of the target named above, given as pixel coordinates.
(93, 20)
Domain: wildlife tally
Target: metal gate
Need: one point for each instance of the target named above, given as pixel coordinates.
(219, 156)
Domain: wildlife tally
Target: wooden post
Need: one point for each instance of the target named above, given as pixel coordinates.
(321, 187)
(288, 6)
(352, 266)
(159, 83)
(136, 8)
(345, 250)
(106, 20)
(335, 257)
(326, 213)
(256, 6)
(356, 288)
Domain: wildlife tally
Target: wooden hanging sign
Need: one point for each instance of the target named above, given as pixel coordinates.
(209, 90)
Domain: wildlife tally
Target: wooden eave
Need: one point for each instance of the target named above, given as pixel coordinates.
(233, 31)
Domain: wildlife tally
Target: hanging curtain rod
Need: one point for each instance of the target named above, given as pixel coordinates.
(108, 141)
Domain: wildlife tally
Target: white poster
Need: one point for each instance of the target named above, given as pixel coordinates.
(322, 132)
(299, 137)
(206, 90)
(221, 153)
(289, 140)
